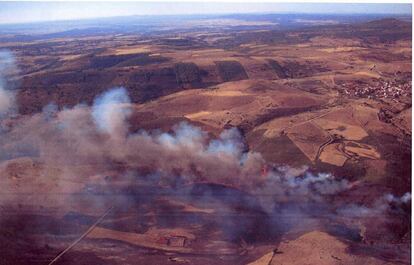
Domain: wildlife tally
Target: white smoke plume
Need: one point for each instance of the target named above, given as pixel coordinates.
(388, 202)
(110, 111)
(406, 198)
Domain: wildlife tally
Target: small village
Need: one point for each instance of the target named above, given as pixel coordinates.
(395, 89)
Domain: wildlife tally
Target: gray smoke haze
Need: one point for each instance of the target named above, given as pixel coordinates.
(99, 136)
(7, 97)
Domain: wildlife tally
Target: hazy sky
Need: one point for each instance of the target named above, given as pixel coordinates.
(19, 12)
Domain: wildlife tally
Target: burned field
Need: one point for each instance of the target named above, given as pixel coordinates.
(183, 230)
(247, 144)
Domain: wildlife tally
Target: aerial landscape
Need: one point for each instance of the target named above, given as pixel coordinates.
(257, 138)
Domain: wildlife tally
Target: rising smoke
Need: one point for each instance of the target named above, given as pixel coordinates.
(108, 114)
(100, 135)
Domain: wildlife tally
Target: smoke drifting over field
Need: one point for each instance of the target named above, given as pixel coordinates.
(7, 102)
(99, 135)
(388, 202)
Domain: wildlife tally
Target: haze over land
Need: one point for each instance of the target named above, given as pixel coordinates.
(26, 12)
(207, 139)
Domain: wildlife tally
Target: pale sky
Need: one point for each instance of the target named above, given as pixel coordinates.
(21, 12)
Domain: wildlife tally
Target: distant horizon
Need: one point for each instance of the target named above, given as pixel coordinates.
(383, 15)
(12, 13)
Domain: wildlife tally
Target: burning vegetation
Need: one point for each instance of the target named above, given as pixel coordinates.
(238, 147)
(220, 196)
